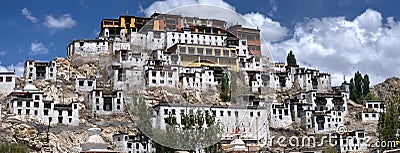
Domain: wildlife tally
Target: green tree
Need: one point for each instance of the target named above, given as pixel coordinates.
(13, 148)
(196, 130)
(388, 121)
(359, 88)
(366, 83)
(353, 92)
(225, 88)
(291, 59)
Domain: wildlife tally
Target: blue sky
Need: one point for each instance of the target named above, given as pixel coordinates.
(42, 29)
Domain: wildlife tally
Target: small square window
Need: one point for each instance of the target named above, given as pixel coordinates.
(8, 79)
(81, 83)
(90, 83)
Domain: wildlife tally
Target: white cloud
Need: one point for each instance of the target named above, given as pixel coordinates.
(341, 47)
(2, 68)
(38, 48)
(19, 68)
(167, 5)
(2, 53)
(29, 15)
(63, 22)
(271, 31)
(274, 7)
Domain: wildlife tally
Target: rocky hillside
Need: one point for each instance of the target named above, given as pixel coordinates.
(386, 89)
(33, 133)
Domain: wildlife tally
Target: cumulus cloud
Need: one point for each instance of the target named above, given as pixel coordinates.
(271, 31)
(2, 68)
(62, 22)
(341, 47)
(29, 15)
(18, 68)
(167, 5)
(38, 48)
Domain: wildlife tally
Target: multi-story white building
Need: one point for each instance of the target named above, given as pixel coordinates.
(35, 70)
(352, 141)
(7, 81)
(319, 112)
(280, 114)
(128, 69)
(372, 109)
(132, 144)
(303, 78)
(250, 122)
(105, 101)
(167, 76)
(87, 48)
(29, 101)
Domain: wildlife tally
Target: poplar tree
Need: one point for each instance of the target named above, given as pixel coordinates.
(389, 122)
(291, 59)
(225, 89)
(359, 88)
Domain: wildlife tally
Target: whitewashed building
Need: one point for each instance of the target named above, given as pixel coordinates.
(132, 144)
(156, 77)
(30, 101)
(281, 115)
(127, 71)
(105, 101)
(35, 70)
(319, 112)
(372, 109)
(7, 81)
(87, 48)
(352, 141)
(85, 84)
(249, 122)
(288, 76)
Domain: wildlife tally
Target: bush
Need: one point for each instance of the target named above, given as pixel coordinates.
(13, 148)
